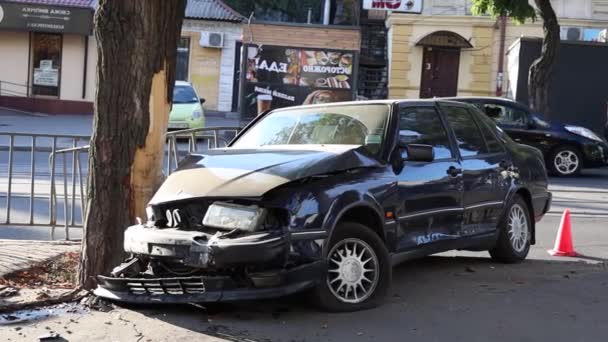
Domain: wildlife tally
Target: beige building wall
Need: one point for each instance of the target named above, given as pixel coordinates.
(478, 66)
(91, 82)
(14, 52)
(405, 58)
(14, 48)
(204, 69)
(72, 68)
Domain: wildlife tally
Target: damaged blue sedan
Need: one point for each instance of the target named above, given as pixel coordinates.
(327, 199)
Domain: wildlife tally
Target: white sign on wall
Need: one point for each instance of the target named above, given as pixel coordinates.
(46, 77)
(409, 6)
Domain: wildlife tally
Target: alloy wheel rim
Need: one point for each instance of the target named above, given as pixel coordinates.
(566, 162)
(354, 272)
(518, 228)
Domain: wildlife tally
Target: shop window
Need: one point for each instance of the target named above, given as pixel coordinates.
(46, 63)
(183, 58)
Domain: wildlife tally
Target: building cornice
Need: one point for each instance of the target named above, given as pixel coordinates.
(438, 20)
(470, 20)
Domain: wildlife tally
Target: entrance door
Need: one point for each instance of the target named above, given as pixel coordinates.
(439, 72)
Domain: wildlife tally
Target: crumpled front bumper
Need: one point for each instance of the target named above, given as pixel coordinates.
(203, 289)
(198, 249)
(263, 254)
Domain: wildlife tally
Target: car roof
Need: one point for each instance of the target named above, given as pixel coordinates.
(477, 98)
(182, 83)
(372, 102)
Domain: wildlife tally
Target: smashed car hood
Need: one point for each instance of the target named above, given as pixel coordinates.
(251, 173)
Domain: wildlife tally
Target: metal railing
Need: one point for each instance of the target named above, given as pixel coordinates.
(28, 185)
(215, 137)
(31, 175)
(14, 89)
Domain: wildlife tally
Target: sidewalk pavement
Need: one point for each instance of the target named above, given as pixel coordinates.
(17, 255)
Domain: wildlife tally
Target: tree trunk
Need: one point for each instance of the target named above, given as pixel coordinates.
(136, 48)
(541, 69)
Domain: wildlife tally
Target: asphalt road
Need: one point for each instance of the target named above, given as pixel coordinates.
(456, 296)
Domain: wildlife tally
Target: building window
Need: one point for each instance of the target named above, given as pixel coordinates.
(183, 58)
(46, 63)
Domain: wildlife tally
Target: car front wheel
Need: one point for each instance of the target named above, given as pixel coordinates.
(515, 233)
(566, 161)
(358, 270)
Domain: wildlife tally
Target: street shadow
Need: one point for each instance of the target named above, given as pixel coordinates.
(428, 280)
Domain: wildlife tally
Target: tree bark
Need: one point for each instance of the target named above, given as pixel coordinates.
(540, 71)
(136, 48)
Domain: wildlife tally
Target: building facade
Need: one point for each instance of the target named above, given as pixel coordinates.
(207, 51)
(446, 51)
(48, 55)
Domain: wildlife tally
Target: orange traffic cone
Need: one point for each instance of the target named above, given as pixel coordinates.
(563, 242)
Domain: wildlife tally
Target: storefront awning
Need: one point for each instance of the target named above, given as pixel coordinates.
(26, 16)
(445, 39)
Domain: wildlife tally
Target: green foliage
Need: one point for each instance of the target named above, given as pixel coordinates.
(518, 10)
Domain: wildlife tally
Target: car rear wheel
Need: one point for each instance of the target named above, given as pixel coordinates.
(566, 161)
(515, 233)
(359, 271)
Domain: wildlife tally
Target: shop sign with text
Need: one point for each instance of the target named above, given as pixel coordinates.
(409, 6)
(44, 18)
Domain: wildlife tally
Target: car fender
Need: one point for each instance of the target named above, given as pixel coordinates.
(342, 205)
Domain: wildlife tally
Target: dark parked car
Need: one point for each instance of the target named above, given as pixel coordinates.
(567, 148)
(328, 198)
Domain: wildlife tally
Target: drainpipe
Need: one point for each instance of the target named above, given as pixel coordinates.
(326, 10)
(502, 22)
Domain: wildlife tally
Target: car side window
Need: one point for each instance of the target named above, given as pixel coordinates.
(422, 125)
(506, 115)
(493, 146)
(468, 136)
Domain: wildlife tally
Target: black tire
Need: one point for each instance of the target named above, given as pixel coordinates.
(507, 250)
(345, 233)
(565, 171)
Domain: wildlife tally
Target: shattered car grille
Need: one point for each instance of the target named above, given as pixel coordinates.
(172, 286)
(187, 216)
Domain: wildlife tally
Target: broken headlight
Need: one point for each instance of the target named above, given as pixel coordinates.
(233, 216)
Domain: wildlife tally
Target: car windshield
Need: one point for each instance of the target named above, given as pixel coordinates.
(184, 94)
(356, 124)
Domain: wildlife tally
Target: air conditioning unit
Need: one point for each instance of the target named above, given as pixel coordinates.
(603, 36)
(571, 33)
(212, 40)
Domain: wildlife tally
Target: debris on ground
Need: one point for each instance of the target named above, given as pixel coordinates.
(49, 337)
(8, 291)
(96, 303)
(55, 273)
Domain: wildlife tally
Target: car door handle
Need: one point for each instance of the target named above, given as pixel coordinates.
(454, 171)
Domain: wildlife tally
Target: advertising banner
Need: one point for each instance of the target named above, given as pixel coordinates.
(284, 76)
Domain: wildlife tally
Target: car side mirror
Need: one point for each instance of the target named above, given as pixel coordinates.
(419, 152)
(202, 100)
